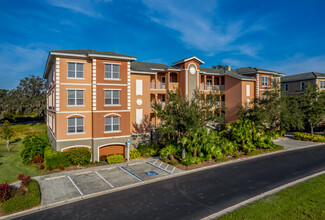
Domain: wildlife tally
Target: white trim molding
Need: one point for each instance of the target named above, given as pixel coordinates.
(69, 116)
(65, 148)
(94, 85)
(112, 114)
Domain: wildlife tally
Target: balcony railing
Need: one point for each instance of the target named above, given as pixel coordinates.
(152, 85)
(153, 102)
(173, 85)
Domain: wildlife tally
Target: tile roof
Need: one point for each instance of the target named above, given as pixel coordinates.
(235, 74)
(151, 67)
(246, 70)
(86, 52)
(302, 76)
(211, 71)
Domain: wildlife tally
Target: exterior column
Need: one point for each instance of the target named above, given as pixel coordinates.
(168, 80)
(156, 81)
(205, 82)
(212, 82)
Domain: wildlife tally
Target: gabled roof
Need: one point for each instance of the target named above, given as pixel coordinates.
(89, 53)
(303, 76)
(150, 68)
(249, 70)
(188, 59)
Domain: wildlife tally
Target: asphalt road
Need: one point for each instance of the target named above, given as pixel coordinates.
(196, 195)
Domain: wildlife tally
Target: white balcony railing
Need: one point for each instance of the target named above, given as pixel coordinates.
(152, 85)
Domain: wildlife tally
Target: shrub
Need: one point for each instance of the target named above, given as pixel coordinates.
(55, 159)
(33, 198)
(25, 181)
(38, 159)
(135, 154)
(190, 160)
(103, 158)
(173, 163)
(308, 137)
(33, 145)
(117, 158)
(41, 167)
(149, 150)
(61, 167)
(275, 148)
(79, 156)
(4, 192)
(253, 153)
(222, 159)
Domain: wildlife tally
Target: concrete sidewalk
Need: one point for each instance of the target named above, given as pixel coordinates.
(289, 143)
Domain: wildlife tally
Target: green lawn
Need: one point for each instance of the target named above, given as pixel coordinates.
(11, 163)
(303, 201)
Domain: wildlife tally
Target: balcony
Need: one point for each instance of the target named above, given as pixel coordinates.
(219, 87)
(163, 104)
(173, 85)
(152, 85)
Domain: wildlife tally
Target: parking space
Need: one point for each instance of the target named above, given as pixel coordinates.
(57, 189)
(117, 177)
(89, 182)
(72, 184)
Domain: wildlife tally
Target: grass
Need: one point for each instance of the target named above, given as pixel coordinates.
(302, 201)
(11, 163)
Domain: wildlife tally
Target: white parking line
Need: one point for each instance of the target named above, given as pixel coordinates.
(135, 163)
(160, 164)
(83, 173)
(109, 168)
(155, 161)
(56, 177)
(75, 185)
(173, 170)
(166, 167)
(104, 179)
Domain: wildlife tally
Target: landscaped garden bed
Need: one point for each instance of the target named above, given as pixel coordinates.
(308, 137)
(14, 199)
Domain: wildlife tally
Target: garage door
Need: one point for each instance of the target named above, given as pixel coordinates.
(111, 149)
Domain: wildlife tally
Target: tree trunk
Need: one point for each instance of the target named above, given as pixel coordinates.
(8, 144)
(172, 157)
(312, 130)
(183, 152)
(195, 152)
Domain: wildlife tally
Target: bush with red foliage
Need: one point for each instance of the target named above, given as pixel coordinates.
(4, 192)
(61, 167)
(25, 180)
(41, 167)
(38, 159)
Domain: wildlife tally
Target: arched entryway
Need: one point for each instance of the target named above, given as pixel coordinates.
(111, 149)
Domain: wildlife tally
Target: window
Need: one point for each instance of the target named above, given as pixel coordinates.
(322, 84)
(50, 121)
(76, 70)
(112, 71)
(209, 83)
(286, 87)
(75, 125)
(163, 98)
(302, 85)
(75, 97)
(112, 97)
(265, 81)
(138, 87)
(139, 116)
(248, 90)
(112, 123)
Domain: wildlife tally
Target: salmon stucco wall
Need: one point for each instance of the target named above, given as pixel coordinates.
(233, 98)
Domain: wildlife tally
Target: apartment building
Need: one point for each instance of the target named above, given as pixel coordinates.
(100, 100)
(296, 83)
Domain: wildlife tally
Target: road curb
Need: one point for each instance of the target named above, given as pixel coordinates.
(185, 172)
(261, 196)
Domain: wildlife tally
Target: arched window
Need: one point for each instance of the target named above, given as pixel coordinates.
(112, 123)
(75, 124)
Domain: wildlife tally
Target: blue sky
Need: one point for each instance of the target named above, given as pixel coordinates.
(286, 36)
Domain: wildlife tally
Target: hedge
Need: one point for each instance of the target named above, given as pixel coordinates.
(308, 137)
(79, 156)
(117, 158)
(33, 198)
(55, 159)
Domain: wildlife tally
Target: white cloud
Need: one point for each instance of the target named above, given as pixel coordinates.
(198, 27)
(86, 7)
(234, 63)
(17, 62)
